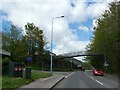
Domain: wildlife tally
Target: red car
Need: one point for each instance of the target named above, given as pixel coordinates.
(98, 72)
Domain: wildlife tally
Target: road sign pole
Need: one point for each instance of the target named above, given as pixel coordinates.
(106, 68)
(105, 56)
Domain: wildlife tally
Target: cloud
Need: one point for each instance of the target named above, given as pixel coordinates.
(72, 46)
(77, 13)
(95, 10)
(94, 23)
(41, 12)
(84, 28)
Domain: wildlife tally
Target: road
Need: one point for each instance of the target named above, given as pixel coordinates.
(87, 80)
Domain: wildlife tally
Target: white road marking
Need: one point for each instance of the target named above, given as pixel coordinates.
(69, 75)
(99, 82)
(91, 77)
(96, 80)
(66, 76)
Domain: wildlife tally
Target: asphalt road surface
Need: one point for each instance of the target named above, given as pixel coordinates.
(87, 80)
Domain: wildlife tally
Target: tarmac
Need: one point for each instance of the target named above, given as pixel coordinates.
(43, 83)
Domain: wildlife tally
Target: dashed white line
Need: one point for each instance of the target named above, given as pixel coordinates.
(96, 80)
(101, 77)
(91, 77)
(99, 82)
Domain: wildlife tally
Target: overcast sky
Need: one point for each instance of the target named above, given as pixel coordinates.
(71, 33)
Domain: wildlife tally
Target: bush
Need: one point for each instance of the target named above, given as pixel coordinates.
(5, 66)
(35, 67)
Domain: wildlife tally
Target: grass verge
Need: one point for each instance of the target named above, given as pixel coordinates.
(0, 82)
(114, 74)
(37, 75)
(9, 83)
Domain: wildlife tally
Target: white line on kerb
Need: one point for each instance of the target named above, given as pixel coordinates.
(45, 79)
(99, 82)
(69, 75)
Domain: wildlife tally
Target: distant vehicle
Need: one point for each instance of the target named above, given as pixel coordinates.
(83, 69)
(98, 72)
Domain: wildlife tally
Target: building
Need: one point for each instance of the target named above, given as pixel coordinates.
(4, 53)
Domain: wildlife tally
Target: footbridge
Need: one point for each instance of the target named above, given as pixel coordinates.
(77, 54)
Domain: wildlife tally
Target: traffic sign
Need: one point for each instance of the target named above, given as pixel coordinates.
(29, 58)
(106, 64)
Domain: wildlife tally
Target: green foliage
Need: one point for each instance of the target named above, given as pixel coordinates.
(87, 65)
(0, 82)
(5, 66)
(106, 39)
(62, 69)
(10, 82)
(34, 37)
(37, 75)
(12, 42)
(34, 67)
(35, 41)
(6, 61)
(21, 46)
(30, 45)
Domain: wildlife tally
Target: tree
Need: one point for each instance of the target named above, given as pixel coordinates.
(11, 41)
(106, 37)
(35, 41)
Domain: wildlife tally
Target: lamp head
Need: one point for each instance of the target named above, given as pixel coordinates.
(62, 16)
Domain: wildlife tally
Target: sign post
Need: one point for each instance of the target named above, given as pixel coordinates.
(106, 65)
(28, 59)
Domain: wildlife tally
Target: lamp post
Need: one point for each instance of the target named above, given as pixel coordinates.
(52, 42)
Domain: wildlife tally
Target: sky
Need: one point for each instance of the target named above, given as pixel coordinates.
(70, 34)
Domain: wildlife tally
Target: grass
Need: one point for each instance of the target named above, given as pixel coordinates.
(34, 67)
(8, 83)
(37, 75)
(62, 69)
(115, 74)
(0, 82)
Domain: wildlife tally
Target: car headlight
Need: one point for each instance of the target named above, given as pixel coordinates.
(95, 71)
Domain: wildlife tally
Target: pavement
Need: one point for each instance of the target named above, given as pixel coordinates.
(48, 83)
(88, 80)
(77, 79)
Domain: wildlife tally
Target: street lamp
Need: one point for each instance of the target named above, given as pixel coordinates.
(52, 42)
